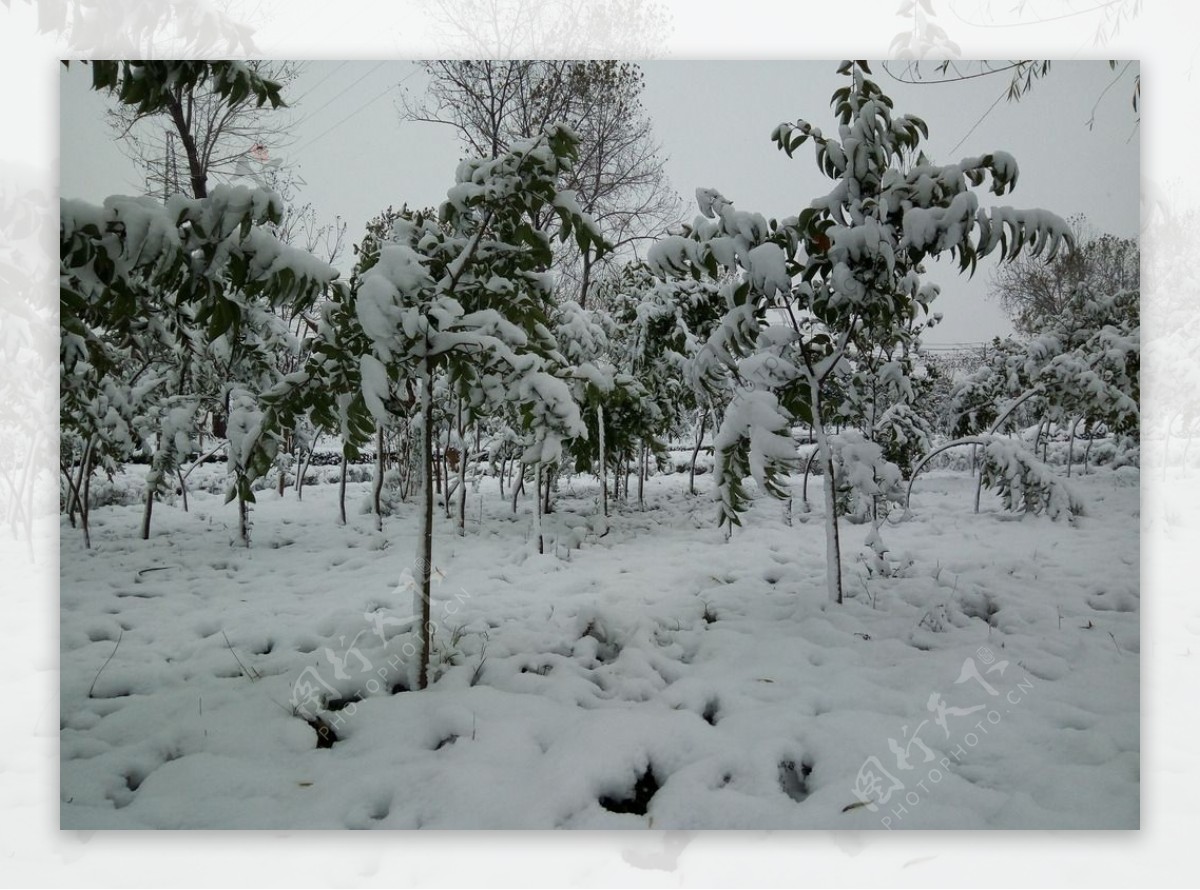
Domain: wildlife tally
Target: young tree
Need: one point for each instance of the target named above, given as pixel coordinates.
(146, 287)
(1083, 368)
(149, 296)
(663, 325)
(465, 296)
(858, 254)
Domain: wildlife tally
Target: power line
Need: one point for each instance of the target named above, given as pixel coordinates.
(339, 94)
(360, 108)
(330, 129)
(975, 126)
(319, 82)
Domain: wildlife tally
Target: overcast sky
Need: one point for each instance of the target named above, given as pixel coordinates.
(714, 120)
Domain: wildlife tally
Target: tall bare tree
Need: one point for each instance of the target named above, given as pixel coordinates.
(619, 179)
(1036, 293)
(571, 29)
(197, 135)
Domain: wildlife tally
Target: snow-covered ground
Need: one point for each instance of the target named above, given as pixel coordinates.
(655, 676)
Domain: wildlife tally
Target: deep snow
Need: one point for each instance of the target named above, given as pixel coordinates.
(654, 676)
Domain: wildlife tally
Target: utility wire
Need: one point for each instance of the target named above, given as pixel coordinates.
(340, 93)
(360, 108)
(319, 82)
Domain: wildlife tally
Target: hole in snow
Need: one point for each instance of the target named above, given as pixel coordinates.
(711, 711)
(606, 650)
(398, 687)
(448, 740)
(637, 799)
(325, 734)
(793, 779)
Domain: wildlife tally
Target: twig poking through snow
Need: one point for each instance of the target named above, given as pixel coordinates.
(1114, 639)
(92, 688)
(249, 672)
(154, 569)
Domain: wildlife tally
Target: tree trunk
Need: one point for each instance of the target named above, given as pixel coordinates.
(78, 490)
(75, 491)
(151, 485)
(377, 489)
(196, 171)
(538, 509)
(642, 477)
(446, 467)
(85, 500)
(243, 520)
(1071, 446)
(1088, 451)
(696, 452)
(70, 500)
(462, 475)
(303, 470)
(404, 462)
(342, 490)
(182, 488)
(424, 560)
(833, 551)
(74, 478)
(518, 484)
(603, 462)
(807, 470)
(585, 279)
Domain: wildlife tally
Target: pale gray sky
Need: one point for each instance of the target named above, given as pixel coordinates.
(714, 120)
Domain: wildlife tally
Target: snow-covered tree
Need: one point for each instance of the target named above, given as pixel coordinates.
(150, 294)
(476, 299)
(1083, 368)
(847, 267)
(882, 392)
(468, 296)
(584, 340)
(167, 307)
(664, 324)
